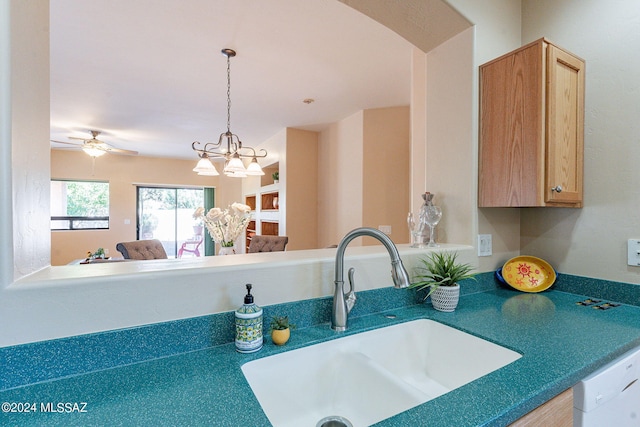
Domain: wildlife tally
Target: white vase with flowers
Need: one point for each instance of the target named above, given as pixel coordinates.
(225, 226)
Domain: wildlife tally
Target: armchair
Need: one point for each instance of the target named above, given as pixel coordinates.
(268, 243)
(142, 249)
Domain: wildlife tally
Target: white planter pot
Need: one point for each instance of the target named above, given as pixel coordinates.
(445, 298)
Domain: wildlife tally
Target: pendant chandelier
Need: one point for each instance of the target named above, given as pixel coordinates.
(228, 146)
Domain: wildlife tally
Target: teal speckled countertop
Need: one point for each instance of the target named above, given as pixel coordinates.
(561, 342)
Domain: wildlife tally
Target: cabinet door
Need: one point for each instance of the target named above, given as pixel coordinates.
(512, 129)
(557, 412)
(565, 128)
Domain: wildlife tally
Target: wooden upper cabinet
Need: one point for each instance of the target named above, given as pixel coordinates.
(531, 128)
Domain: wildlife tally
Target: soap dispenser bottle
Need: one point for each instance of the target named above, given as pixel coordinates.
(248, 325)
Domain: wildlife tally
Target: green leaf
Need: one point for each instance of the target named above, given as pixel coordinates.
(441, 269)
(281, 322)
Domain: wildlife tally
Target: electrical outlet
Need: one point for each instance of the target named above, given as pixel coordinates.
(386, 229)
(484, 245)
(633, 252)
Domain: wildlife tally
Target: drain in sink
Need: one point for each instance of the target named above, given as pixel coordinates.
(334, 421)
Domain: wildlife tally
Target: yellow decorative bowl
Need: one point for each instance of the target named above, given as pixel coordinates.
(528, 274)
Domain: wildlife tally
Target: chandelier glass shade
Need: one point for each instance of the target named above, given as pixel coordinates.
(254, 168)
(229, 146)
(205, 167)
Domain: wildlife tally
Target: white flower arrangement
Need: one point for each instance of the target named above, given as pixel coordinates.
(225, 226)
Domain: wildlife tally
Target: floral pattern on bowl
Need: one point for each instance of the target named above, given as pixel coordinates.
(528, 274)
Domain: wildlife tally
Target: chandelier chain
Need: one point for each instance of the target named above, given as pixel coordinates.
(228, 94)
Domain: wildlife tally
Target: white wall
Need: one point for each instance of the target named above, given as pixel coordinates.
(70, 305)
(340, 185)
(452, 143)
(73, 300)
(27, 141)
(418, 143)
(497, 26)
(592, 241)
(451, 166)
(6, 195)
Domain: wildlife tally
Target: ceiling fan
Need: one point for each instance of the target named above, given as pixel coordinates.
(96, 148)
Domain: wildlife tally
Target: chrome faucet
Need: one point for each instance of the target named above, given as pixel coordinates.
(343, 303)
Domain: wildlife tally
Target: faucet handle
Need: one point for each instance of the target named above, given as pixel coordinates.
(351, 295)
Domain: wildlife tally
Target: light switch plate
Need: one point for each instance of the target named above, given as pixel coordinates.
(633, 252)
(484, 245)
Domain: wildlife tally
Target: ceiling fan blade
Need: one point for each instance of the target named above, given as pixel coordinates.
(66, 143)
(121, 151)
(110, 148)
(81, 139)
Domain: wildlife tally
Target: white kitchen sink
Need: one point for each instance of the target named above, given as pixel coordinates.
(367, 377)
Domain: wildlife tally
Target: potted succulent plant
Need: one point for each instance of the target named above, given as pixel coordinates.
(441, 274)
(276, 177)
(99, 254)
(281, 329)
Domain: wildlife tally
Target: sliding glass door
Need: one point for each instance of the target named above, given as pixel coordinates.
(166, 214)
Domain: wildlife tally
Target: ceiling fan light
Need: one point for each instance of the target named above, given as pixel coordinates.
(254, 168)
(92, 151)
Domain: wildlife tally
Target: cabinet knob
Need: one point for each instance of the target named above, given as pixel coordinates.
(557, 188)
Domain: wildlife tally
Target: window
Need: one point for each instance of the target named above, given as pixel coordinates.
(166, 214)
(79, 205)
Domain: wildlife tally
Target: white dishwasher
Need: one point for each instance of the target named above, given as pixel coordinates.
(611, 395)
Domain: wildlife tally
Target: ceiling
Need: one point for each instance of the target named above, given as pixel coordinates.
(149, 74)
